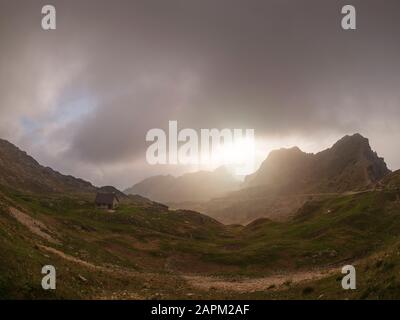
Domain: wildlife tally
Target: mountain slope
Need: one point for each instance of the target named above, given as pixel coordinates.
(350, 164)
(289, 177)
(391, 181)
(197, 186)
(20, 171)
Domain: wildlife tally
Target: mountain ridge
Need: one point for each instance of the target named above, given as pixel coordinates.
(289, 177)
(194, 186)
(348, 165)
(21, 171)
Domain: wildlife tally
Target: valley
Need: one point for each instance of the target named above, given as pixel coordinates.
(180, 248)
(144, 250)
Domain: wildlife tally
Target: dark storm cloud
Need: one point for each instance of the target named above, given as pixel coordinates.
(86, 94)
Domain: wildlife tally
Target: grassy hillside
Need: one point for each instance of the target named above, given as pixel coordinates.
(110, 254)
(21, 171)
(124, 248)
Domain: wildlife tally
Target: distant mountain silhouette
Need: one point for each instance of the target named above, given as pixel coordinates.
(196, 186)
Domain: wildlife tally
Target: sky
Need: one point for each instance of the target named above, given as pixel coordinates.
(81, 98)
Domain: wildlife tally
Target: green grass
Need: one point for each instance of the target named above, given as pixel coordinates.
(145, 238)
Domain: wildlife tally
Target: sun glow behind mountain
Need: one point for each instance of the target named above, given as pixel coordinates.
(248, 154)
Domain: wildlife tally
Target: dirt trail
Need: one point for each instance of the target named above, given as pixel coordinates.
(35, 226)
(112, 269)
(41, 230)
(195, 281)
(206, 282)
(71, 258)
(257, 284)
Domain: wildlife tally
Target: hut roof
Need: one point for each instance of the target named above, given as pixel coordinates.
(106, 198)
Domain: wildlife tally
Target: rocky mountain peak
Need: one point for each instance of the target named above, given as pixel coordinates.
(348, 165)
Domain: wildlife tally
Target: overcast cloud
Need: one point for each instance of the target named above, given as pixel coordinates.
(81, 98)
